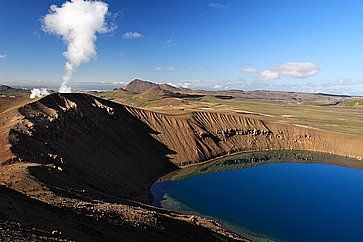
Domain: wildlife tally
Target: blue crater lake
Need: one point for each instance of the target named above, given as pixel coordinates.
(282, 199)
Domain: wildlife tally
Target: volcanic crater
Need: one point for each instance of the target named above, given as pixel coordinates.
(78, 167)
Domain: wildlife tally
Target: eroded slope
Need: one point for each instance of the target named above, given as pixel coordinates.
(90, 156)
(73, 160)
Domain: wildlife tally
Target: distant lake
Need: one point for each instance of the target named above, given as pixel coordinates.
(271, 197)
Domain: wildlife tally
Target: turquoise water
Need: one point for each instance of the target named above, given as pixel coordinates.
(284, 201)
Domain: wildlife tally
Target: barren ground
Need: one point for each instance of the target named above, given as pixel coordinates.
(78, 167)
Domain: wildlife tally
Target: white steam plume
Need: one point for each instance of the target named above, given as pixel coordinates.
(78, 22)
(35, 92)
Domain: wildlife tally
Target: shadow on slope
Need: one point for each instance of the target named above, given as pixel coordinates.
(32, 220)
(95, 141)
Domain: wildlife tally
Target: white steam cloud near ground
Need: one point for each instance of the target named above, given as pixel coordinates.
(77, 22)
(41, 92)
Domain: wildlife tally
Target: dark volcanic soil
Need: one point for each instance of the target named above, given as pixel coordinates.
(77, 167)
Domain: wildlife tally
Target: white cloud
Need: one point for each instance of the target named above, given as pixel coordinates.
(218, 86)
(166, 69)
(192, 69)
(132, 35)
(344, 82)
(243, 84)
(183, 84)
(219, 6)
(169, 69)
(311, 84)
(77, 22)
(299, 69)
(169, 43)
(2, 56)
(291, 69)
(157, 69)
(201, 84)
(193, 83)
(269, 75)
(249, 69)
(117, 83)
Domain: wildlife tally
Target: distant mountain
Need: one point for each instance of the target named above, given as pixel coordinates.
(8, 91)
(5, 88)
(139, 86)
(152, 91)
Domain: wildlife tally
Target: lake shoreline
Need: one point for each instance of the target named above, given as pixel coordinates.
(226, 224)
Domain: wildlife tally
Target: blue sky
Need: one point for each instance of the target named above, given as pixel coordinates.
(314, 46)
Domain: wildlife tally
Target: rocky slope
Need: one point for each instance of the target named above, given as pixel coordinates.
(6, 91)
(79, 154)
(200, 136)
(71, 166)
(140, 86)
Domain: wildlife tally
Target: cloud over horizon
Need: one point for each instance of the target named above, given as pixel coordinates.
(166, 69)
(344, 82)
(132, 35)
(169, 43)
(249, 69)
(291, 69)
(219, 6)
(192, 69)
(157, 69)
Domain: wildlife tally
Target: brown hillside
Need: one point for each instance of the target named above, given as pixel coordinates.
(89, 155)
(156, 92)
(73, 159)
(139, 86)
